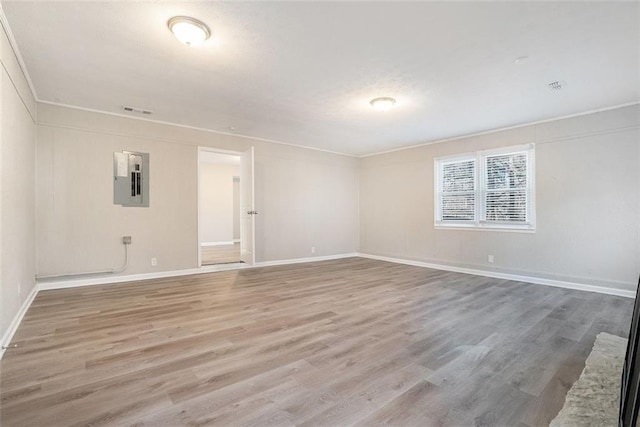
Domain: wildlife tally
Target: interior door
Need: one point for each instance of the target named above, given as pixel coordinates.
(247, 209)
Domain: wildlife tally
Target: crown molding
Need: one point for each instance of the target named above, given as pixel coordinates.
(16, 52)
(490, 131)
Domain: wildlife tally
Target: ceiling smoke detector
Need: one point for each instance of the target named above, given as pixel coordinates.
(557, 85)
(136, 110)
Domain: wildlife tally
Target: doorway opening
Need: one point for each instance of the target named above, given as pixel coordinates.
(225, 207)
(219, 208)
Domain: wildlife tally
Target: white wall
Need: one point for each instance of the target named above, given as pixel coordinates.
(588, 199)
(588, 204)
(217, 202)
(304, 197)
(17, 188)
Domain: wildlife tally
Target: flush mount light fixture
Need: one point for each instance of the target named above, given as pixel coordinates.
(188, 30)
(383, 104)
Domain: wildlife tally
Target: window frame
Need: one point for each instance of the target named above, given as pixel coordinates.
(480, 222)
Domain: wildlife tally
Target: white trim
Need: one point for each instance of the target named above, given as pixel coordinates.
(506, 276)
(48, 285)
(230, 242)
(218, 132)
(106, 280)
(490, 131)
(303, 260)
(17, 319)
(14, 46)
(460, 226)
(198, 185)
(236, 241)
(356, 156)
(31, 110)
(250, 191)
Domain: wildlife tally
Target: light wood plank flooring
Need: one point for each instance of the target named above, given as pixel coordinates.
(346, 342)
(223, 254)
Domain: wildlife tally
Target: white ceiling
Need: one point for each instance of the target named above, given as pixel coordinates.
(303, 73)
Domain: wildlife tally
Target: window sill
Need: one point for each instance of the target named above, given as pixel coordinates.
(503, 228)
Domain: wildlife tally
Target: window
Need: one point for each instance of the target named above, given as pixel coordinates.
(488, 189)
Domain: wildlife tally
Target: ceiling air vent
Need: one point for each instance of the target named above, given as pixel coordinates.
(557, 85)
(136, 110)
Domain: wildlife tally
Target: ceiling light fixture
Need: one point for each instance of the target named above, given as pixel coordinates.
(384, 103)
(188, 30)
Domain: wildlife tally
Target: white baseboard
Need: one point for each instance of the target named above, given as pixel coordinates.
(47, 285)
(514, 277)
(303, 260)
(17, 319)
(105, 280)
(224, 243)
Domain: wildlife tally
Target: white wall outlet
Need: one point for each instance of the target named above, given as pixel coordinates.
(313, 249)
(490, 259)
(154, 261)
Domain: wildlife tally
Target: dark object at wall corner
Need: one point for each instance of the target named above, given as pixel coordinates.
(629, 391)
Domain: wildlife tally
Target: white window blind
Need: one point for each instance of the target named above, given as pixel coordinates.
(505, 192)
(458, 191)
(492, 189)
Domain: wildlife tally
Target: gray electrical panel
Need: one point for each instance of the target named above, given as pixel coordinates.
(131, 179)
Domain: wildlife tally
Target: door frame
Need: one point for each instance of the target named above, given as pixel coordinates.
(202, 149)
(248, 223)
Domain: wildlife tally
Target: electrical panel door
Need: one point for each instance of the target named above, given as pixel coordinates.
(131, 179)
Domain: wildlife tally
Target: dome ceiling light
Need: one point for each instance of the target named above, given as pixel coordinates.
(384, 103)
(188, 30)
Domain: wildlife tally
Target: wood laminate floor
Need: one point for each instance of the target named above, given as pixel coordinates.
(222, 254)
(346, 342)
